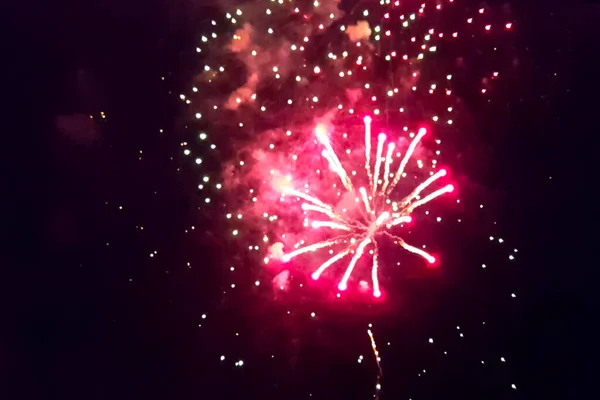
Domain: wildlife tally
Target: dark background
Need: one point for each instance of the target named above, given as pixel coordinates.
(90, 315)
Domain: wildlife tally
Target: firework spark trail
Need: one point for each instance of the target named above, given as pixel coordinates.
(407, 156)
(413, 249)
(330, 224)
(428, 198)
(367, 121)
(377, 360)
(338, 169)
(359, 252)
(375, 352)
(312, 247)
(381, 219)
(330, 262)
(388, 162)
(366, 229)
(380, 142)
(400, 220)
(365, 198)
(326, 211)
(423, 186)
(333, 159)
(374, 273)
(307, 198)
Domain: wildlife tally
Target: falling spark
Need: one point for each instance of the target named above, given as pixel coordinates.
(378, 361)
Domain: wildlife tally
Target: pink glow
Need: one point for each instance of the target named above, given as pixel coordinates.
(320, 131)
(432, 263)
(281, 184)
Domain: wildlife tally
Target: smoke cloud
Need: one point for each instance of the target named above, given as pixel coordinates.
(359, 31)
(261, 52)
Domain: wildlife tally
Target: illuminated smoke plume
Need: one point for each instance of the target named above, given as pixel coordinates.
(258, 49)
(360, 31)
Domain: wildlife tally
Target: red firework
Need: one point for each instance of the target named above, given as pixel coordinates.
(382, 212)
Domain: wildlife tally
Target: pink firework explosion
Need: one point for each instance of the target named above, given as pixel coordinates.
(380, 212)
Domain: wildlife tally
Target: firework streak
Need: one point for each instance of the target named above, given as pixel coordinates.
(378, 360)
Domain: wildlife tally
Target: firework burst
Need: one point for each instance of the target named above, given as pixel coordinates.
(381, 212)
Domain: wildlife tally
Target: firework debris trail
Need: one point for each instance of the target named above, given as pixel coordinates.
(378, 361)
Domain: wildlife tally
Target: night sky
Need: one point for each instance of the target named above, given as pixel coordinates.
(90, 315)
